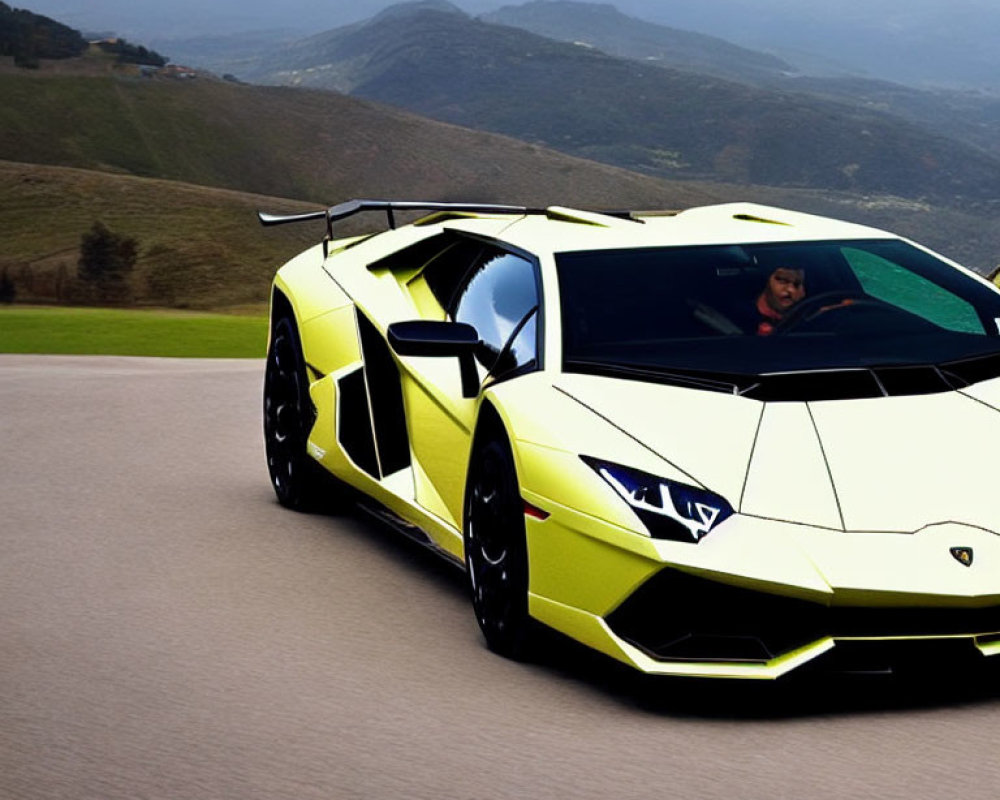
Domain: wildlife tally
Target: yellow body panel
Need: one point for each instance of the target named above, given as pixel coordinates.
(440, 444)
(583, 570)
(308, 287)
(332, 340)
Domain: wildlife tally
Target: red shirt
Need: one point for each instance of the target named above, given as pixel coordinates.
(771, 317)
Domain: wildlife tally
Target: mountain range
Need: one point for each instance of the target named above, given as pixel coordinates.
(433, 59)
(604, 27)
(969, 116)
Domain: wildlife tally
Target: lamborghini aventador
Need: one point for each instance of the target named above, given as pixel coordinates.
(724, 442)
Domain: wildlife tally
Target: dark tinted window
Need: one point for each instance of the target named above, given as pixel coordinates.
(864, 303)
(449, 268)
(498, 294)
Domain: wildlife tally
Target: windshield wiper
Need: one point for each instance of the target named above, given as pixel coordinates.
(805, 385)
(972, 370)
(500, 366)
(725, 382)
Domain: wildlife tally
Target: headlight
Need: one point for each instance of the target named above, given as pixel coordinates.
(668, 509)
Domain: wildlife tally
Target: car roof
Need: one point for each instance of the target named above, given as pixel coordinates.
(566, 230)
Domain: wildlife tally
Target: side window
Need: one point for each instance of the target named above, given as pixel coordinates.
(446, 271)
(892, 283)
(496, 297)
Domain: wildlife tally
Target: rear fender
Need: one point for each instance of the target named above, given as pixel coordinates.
(322, 311)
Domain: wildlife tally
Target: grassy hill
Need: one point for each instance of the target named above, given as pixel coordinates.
(284, 142)
(445, 65)
(198, 246)
(100, 146)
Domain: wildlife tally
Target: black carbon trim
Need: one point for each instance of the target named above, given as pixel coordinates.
(416, 255)
(810, 385)
(386, 395)
(679, 617)
(354, 422)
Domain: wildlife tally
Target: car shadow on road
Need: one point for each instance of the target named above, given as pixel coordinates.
(396, 546)
(818, 691)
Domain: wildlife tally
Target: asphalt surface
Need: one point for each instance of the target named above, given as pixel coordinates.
(168, 631)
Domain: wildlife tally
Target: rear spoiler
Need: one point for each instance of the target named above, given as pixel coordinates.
(352, 207)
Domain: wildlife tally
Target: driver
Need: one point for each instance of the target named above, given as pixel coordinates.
(784, 288)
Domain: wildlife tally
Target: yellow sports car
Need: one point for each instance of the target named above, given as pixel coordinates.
(724, 442)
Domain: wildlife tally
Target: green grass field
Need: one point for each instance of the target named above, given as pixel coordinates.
(98, 331)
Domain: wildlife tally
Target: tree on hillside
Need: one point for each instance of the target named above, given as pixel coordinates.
(29, 37)
(106, 262)
(129, 53)
(7, 289)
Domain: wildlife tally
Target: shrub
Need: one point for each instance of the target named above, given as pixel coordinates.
(106, 262)
(8, 292)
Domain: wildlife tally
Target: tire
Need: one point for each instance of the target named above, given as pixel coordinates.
(298, 481)
(496, 553)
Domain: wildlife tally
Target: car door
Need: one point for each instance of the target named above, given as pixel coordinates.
(497, 292)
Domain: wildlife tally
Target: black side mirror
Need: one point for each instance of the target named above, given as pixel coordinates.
(432, 338)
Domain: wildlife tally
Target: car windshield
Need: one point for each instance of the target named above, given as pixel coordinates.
(764, 309)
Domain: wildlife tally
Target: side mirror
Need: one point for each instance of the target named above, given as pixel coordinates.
(436, 339)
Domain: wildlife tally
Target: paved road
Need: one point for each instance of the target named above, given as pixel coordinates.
(167, 631)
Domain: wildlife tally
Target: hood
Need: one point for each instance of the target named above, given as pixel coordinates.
(903, 463)
(875, 464)
(708, 436)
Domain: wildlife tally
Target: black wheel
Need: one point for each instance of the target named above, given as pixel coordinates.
(496, 555)
(288, 417)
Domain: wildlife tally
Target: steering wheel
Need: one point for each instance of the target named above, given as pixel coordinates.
(810, 308)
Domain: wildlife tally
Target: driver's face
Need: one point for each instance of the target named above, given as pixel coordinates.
(784, 289)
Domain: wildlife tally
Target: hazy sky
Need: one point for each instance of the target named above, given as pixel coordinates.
(891, 38)
(235, 15)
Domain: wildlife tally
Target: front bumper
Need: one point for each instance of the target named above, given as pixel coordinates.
(719, 623)
(759, 598)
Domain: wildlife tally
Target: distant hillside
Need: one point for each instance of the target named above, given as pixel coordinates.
(29, 37)
(292, 143)
(603, 26)
(661, 121)
(967, 116)
(222, 54)
(970, 117)
(202, 246)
